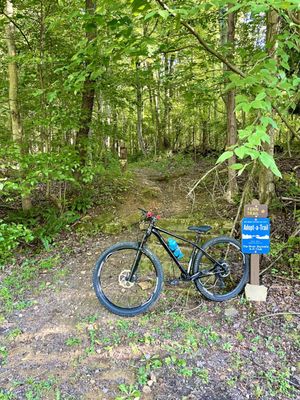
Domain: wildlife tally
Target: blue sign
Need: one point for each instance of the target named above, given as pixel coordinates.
(256, 235)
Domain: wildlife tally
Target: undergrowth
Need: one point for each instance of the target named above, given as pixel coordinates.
(47, 219)
(178, 162)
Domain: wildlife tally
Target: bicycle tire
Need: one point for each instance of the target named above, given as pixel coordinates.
(206, 283)
(120, 253)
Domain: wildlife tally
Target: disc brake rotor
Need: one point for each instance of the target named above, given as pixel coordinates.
(123, 279)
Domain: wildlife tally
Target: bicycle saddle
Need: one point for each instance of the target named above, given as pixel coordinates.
(203, 228)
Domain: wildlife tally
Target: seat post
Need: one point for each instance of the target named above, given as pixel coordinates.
(198, 234)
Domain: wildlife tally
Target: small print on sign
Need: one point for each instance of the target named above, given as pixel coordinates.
(256, 235)
(256, 210)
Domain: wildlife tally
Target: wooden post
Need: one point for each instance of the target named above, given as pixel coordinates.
(254, 269)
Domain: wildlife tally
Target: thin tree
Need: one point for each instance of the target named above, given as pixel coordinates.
(230, 107)
(88, 94)
(139, 108)
(13, 100)
(266, 177)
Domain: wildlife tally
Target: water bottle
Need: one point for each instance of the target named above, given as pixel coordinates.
(173, 245)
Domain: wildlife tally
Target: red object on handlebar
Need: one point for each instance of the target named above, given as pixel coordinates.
(149, 214)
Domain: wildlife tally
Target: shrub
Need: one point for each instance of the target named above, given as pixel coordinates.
(10, 236)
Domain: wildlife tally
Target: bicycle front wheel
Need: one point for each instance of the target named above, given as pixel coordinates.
(111, 284)
(223, 282)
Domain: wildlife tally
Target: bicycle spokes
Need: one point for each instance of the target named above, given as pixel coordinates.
(115, 278)
(223, 275)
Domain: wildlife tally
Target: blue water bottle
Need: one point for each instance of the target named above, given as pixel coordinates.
(173, 245)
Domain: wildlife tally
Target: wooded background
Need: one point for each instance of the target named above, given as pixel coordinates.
(84, 84)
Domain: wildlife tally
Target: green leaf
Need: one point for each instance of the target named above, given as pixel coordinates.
(240, 152)
(244, 133)
(275, 170)
(163, 13)
(244, 107)
(241, 98)
(150, 15)
(140, 5)
(261, 96)
(51, 96)
(254, 154)
(255, 139)
(258, 104)
(224, 156)
(268, 121)
(236, 166)
(242, 170)
(266, 159)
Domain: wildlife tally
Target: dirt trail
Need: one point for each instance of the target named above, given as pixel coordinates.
(66, 346)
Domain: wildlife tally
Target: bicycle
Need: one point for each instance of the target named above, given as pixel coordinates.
(128, 277)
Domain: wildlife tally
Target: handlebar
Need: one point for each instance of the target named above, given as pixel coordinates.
(149, 215)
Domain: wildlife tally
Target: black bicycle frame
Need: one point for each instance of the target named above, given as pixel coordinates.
(152, 229)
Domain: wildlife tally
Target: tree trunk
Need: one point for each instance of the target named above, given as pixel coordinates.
(205, 144)
(153, 118)
(15, 117)
(157, 115)
(139, 109)
(168, 69)
(16, 123)
(231, 116)
(88, 96)
(266, 177)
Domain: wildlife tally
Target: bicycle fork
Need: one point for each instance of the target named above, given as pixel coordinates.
(138, 256)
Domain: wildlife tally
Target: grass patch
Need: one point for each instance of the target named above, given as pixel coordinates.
(14, 286)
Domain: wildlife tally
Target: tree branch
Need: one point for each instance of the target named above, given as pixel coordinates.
(218, 55)
(178, 49)
(203, 177)
(276, 314)
(212, 51)
(18, 27)
(286, 123)
(294, 18)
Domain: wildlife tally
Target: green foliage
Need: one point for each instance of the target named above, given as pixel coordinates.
(26, 172)
(53, 223)
(11, 235)
(278, 382)
(3, 355)
(6, 395)
(166, 164)
(129, 392)
(44, 224)
(73, 341)
(136, 45)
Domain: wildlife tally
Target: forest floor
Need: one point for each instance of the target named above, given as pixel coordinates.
(57, 342)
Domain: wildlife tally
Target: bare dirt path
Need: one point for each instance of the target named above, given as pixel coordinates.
(64, 345)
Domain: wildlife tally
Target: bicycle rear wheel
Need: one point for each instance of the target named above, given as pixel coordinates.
(115, 291)
(222, 283)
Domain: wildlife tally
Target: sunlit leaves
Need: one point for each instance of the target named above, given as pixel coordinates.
(268, 161)
(237, 166)
(225, 156)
